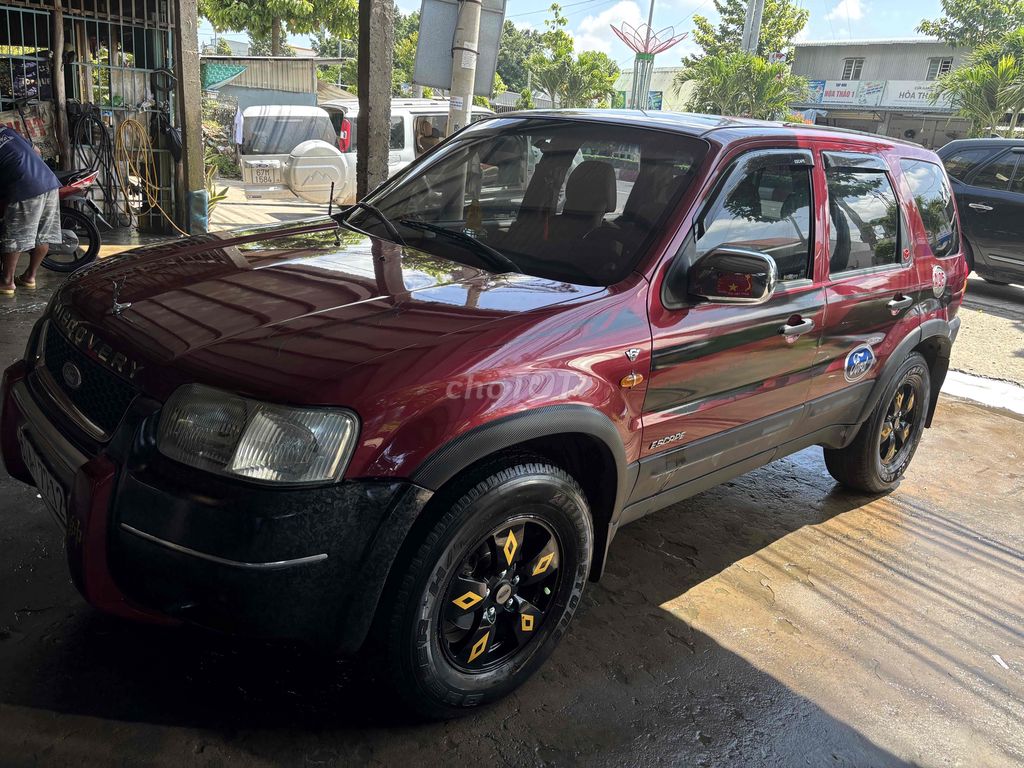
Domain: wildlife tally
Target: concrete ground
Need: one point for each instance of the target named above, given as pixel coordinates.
(993, 325)
(777, 620)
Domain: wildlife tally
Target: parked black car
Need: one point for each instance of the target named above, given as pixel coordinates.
(988, 183)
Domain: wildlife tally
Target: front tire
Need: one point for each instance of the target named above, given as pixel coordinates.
(881, 452)
(84, 238)
(490, 590)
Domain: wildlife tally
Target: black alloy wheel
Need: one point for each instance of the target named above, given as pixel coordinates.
(881, 451)
(500, 594)
(900, 417)
(485, 587)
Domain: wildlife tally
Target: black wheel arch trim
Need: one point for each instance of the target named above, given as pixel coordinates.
(549, 421)
(940, 334)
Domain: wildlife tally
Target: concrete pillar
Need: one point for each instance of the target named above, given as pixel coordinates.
(376, 42)
(192, 173)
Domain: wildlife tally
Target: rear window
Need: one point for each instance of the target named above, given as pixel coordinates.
(934, 201)
(280, 134)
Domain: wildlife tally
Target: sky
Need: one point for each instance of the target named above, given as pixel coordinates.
(590, 21)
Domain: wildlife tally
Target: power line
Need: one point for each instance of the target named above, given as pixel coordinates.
(567, 5)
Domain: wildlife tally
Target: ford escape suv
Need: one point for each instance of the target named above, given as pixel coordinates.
(415, 428)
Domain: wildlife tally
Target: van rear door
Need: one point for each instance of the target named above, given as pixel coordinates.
(269, 134)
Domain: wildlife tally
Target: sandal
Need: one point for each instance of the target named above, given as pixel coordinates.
(21, 281)
(7, 291)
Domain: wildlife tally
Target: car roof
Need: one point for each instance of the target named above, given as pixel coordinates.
(702, 126)
(988, 142)
(408, 105)
(277, 110)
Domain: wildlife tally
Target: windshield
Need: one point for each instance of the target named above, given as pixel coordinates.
(566, 200)
(280, 134)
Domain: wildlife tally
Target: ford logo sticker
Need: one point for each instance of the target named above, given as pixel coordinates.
(859, 362)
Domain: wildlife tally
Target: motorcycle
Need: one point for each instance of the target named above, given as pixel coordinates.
(80, 237)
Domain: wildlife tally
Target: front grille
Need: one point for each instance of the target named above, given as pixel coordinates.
(102, 397)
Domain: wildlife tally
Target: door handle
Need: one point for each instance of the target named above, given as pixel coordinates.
(980, 206)
(900, 303)
(792, 330)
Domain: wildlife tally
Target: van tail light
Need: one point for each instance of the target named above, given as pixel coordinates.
(345, 135)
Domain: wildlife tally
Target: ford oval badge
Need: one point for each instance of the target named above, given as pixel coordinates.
(859, 362)
(71, 375)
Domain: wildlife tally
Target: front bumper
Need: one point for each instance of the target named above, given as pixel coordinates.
(148, 538)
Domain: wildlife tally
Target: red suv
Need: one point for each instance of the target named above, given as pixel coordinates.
(422, 421)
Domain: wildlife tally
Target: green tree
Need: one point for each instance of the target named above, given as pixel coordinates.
(514, 51)
(590, 77)
(971, 23)
(223, 48)
(989, 86)
(742, 85)
(781, 22)
(271, 19)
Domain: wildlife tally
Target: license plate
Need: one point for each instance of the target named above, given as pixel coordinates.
(53, 493)
(262, 176)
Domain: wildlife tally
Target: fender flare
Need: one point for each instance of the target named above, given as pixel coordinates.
(942, 333)
(548, 421)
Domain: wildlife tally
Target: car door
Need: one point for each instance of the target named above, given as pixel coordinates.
(871, 285)
(728, 382)
(992, 205)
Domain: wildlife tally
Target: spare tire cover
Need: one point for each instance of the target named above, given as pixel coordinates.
(313, 166)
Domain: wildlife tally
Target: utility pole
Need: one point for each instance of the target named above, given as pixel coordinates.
(464, 55)
(752, 26)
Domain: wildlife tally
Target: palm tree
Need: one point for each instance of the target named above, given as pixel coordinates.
(587, 79)
(989, 86)
(743, 85)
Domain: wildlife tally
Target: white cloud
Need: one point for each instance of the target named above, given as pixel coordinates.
(594, 33)
(847, 9)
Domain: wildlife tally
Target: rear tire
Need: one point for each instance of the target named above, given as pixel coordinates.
(881, 452)
(448, 648)
(994, 282)
(89, 242)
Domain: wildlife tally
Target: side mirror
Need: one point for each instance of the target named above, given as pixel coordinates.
(733, 276)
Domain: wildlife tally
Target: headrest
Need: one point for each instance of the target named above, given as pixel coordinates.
(591, 188)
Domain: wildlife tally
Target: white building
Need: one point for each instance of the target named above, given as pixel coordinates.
(881, 86)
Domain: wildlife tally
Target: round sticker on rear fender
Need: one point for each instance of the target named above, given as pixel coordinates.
(938, 281)
(859, 362)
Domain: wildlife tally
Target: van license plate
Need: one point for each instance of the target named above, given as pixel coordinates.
(262, 176)
(51, 490)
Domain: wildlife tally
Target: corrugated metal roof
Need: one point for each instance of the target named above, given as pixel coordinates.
(877, 41)
(273, 73)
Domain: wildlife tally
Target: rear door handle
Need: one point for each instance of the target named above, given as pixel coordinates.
(797, 329)
(900, 303)
(980, 206)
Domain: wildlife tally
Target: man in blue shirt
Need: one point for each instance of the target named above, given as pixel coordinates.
(31, 220)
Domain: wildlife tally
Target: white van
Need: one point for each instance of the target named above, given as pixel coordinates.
(284, 152)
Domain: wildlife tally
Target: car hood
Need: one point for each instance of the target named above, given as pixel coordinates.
(283, 311)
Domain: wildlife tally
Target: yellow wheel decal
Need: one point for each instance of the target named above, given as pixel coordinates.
(526, 622)
(479, 646)
(467, 601)
(511, 545)
(543, 563)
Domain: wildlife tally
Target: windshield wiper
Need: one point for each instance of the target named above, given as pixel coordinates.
(392, 230)
(494, 256)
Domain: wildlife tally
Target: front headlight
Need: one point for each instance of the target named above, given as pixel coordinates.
(231, 435)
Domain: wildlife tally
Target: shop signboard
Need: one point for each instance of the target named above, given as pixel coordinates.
(913, 94)
(859, 93)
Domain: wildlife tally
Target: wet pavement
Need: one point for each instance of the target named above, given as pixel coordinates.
(776, 620)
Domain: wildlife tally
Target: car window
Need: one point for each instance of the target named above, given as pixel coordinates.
(280, 134)
(567, 200)
(997, 174)
(429, 131)
(934, 201)
(767, 209)
(397, 132)
(865, 220)
(959, 164)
